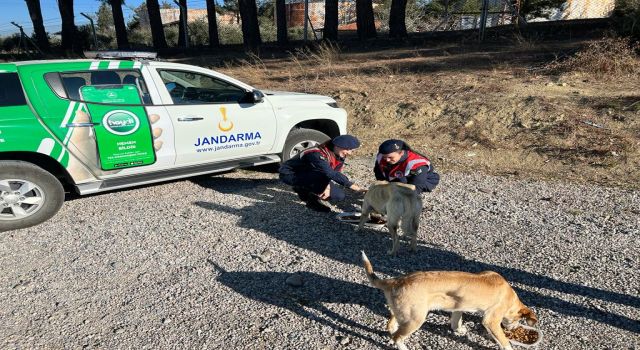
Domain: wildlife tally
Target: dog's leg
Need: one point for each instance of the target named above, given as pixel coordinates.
(410, 225)
(492, 324)
(392, 325)
(364, 214)
(456, 324)
(415, 223)
(404, 331)
(392, 226)
(394, 215)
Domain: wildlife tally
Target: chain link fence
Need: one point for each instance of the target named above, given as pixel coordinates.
(421, 16)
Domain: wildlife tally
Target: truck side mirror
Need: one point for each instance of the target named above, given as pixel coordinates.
(257, 96)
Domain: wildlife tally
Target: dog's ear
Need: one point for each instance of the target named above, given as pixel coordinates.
(526, 313)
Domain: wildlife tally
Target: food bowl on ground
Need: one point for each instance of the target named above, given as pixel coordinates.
(354, 218)
(524, 336)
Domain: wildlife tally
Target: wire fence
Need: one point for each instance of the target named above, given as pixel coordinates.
(421, 16)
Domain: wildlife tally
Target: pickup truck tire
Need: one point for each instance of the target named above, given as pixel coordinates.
(29, 195)
(300, 139)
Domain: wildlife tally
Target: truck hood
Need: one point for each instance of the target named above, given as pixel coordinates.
(278, 97)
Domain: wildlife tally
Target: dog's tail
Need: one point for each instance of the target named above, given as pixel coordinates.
(368, 269)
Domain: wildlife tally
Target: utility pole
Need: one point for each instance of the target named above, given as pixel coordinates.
(23, 36)
(306, 16)
(183, 15)
(483, 18)
(93, 30)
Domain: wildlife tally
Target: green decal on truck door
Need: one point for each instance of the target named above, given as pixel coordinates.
(123, 134)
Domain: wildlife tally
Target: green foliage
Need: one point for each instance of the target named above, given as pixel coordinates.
(140, 15)
(199, 33)
(104, 22)
(295, 33)
(627, 17)
(10, 43)
(84, 36)
(438, 7)
(140, 37)
(230, 34)
(231, 5)
(171, 35)
(266, 8)
(268, 30)
(529, 8)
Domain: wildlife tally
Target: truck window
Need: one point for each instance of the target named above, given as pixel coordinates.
(195, 88)
(67, 85)
(11, 93)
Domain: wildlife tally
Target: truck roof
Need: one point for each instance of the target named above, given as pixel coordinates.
(92, 64)
(23, 63)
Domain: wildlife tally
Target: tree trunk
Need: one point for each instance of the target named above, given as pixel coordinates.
(214, 41)
(118, 22)
(68, 27)
(155, 21)
(38, 27)
(330, 31)
(281, 22)
(397, 25)
(365, 22)
(183, 17)
(250, 27)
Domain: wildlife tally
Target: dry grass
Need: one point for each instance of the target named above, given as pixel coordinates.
(476, 111)
(609, 56)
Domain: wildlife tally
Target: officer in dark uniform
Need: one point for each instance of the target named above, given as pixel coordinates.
(397, 162)
(314, 172)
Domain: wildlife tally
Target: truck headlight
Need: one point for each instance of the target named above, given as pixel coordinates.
(333, 104)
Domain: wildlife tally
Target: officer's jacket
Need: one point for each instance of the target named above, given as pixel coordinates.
(318, 159)
(412, 168)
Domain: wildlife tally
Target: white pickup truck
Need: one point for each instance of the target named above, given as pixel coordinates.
(96, 125)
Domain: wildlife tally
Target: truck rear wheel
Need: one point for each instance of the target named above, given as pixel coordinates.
(301, 139)
(29, 195)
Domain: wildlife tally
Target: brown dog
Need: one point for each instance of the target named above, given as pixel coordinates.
(401, 205)
(411, 297)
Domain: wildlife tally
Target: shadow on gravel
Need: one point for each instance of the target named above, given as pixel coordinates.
(277, 213)
(307, 300)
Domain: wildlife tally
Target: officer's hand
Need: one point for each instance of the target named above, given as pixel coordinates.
(357, 188)
(327, 192)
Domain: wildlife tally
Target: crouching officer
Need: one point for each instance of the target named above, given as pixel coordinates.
(312, 171)
(397, 162)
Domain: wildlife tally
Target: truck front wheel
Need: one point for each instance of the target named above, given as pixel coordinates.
(29, 195)
(301, 139)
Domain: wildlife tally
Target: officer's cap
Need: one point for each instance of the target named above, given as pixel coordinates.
(390, 146)
(346, 141)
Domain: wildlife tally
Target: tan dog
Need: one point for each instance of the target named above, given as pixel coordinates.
(411, 297)
(400, 203)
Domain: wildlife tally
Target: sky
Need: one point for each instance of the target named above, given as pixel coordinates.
(16, 10)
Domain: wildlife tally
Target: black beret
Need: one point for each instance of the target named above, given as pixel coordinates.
(346, 141)
(390, 146)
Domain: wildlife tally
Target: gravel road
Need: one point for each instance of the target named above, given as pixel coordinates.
(235, 261)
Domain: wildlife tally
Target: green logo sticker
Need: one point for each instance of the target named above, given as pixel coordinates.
(121, 122)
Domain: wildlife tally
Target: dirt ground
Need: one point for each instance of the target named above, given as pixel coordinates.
(489, 108)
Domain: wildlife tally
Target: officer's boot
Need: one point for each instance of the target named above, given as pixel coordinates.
(302, 193)
(314, 203)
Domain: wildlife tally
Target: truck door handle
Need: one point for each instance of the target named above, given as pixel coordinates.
(189, 119)
(80, 125)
